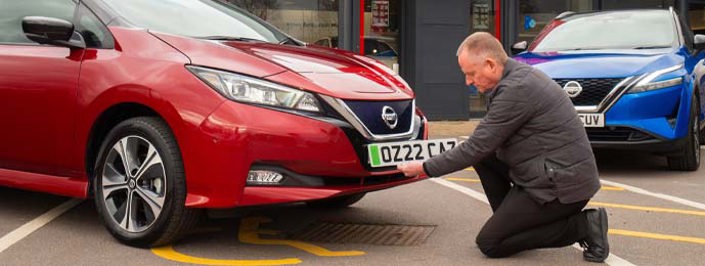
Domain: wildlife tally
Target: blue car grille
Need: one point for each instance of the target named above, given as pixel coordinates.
(594, 90)
(370, 114)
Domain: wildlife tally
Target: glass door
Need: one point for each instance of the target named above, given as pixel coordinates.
(482, 18)
(381, 31)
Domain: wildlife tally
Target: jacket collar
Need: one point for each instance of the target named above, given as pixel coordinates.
(509, 67)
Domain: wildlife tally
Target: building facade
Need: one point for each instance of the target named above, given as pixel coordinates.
(419, 38)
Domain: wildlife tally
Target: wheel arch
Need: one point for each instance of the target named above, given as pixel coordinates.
(106, 121)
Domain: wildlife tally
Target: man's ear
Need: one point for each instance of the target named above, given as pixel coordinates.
(491, 63)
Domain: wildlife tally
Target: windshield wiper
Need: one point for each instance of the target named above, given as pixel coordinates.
(652, 47)
(229, 38)
(581, 49)
(288, 40)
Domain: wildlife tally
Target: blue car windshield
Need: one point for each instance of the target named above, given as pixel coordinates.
(637, 29)
(210, 19)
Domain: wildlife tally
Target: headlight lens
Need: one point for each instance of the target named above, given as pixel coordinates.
(657, 85)
(648, 83)
(252, 90)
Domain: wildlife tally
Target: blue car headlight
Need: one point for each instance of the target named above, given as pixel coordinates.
(658, 80)
(246, 89)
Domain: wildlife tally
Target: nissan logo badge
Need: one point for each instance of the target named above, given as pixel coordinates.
(389, 116)
(573, 89)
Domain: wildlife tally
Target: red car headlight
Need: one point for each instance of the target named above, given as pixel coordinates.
(246, 89)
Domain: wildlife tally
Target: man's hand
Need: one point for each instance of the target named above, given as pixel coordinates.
(412, 169)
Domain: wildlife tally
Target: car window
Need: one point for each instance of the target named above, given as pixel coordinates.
(12, 12)
(377, 47)
(370, 47)
(95, 34)
(384, 48)
(641, 29)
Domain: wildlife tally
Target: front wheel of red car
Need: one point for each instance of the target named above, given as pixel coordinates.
(139, 186)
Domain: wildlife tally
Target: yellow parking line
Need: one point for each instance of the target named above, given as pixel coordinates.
(612, 188)
(470, 169)
(644, 208)
(249, 233)
(463, 179)
(168, 252)
(687, 239)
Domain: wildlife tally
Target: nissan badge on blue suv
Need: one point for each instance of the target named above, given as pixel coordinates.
(634, 76)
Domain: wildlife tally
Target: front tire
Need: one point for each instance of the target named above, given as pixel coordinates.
(140, 188)
(689, 159)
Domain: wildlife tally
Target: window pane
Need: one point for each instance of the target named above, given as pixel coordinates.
(696, 18)
(481, 19)
(92, 29)
(306, 20)
(535, 14)
(482, 16)
(382, 19)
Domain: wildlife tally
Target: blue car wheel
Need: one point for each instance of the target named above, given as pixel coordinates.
(689, 159)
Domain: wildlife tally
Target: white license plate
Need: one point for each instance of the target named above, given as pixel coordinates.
(592, 120)
(393, 153)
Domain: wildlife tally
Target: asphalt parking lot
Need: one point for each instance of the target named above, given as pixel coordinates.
(656, 218)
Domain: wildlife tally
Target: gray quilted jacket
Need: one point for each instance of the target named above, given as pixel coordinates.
(532, 126)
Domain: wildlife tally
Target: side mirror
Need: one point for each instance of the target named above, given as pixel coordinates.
(520, 47)
(699, 42)
(46, 30)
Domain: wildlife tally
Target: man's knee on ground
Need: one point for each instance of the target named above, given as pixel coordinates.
(489, 246)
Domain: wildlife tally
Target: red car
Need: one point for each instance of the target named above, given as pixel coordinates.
(160, 109)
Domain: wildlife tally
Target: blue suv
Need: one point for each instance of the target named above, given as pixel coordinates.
(634, 76)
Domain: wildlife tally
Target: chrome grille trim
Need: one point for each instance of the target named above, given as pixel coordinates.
(343, 109)
(611, 97)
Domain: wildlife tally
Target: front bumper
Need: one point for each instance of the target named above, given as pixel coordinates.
(320, 156)
(256, 195)
(654, 121)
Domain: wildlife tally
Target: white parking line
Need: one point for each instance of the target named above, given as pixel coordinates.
(26, 229)
(611, 259)
(675, 199)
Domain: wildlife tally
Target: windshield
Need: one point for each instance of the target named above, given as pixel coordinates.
(196, 18)
(643, 29)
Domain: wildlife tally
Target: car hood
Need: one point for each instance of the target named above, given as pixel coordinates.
(326, 71)
(600, 64)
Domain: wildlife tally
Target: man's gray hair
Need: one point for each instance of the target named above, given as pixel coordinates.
(484, 45)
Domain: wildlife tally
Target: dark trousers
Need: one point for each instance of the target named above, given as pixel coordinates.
(519, 222)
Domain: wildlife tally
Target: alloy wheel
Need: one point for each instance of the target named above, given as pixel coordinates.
(133, 184)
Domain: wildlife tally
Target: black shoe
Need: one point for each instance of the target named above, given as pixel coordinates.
(595, 245)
